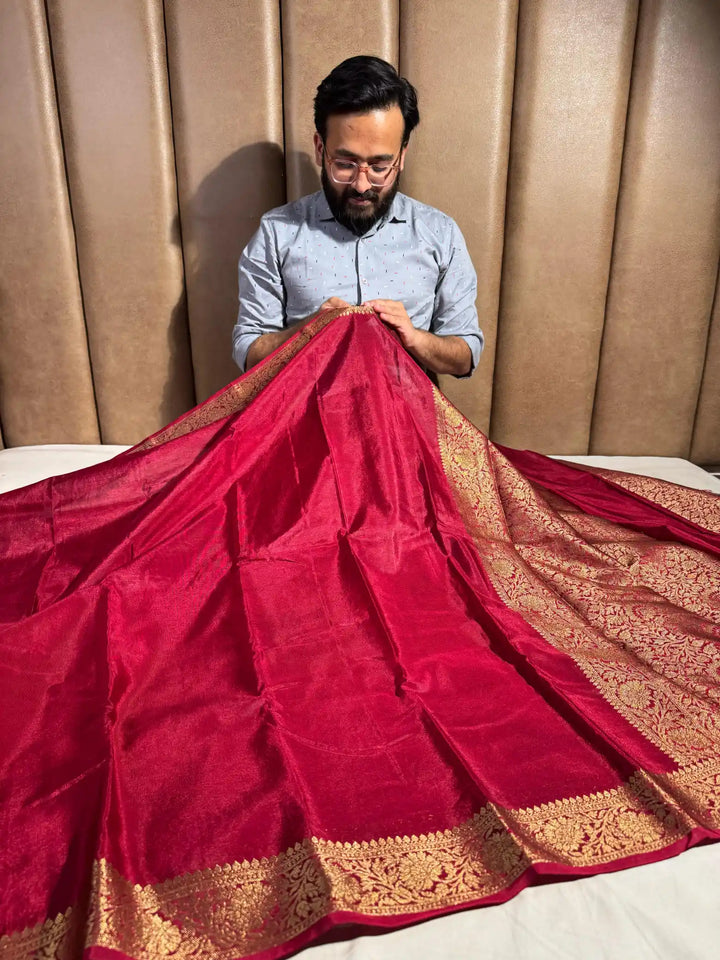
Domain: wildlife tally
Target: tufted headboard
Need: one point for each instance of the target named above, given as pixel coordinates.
(576, 142)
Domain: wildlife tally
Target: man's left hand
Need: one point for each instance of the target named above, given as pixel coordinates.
(443, 354)
(394, 314)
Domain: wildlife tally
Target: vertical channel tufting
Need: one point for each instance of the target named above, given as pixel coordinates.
(667, 238)
(458, 156)
(225, 80)
(706, 433)
(570, 103)
(316, 36)
(603, 295)
(46, 391)
(113, 95)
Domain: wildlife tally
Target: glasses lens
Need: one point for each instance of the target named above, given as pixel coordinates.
(346, 171)
(378, 175)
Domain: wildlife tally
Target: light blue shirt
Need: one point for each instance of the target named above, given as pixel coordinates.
(300, 256)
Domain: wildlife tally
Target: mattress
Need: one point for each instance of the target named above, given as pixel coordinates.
(20, 466)
(669, 909)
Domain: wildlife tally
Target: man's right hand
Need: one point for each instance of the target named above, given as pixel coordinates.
(334, 303)
(265, 344)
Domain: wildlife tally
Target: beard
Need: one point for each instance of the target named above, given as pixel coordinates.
(357, 221)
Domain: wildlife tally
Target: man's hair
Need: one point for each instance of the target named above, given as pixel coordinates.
(362, 84)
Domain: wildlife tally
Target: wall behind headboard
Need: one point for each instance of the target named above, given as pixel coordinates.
(576, 142)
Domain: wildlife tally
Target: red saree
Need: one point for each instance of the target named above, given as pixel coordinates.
(320, 653)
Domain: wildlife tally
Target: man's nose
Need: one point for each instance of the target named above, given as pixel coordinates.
(362, 182)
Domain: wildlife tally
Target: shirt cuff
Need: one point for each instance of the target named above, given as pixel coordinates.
(476, 342)
(241, 345)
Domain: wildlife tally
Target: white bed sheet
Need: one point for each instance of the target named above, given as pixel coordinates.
(662, 911)
(20, 466)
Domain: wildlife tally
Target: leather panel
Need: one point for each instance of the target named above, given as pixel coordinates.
(316, 37)
(46, 391)
(570, 102)
(226, 83)
(589, 274)
(113, 94)
(458, 155)
(668, 236)
(706, 434)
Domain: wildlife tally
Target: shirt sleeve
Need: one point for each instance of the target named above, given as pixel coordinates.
(261, 293)
(454, 313)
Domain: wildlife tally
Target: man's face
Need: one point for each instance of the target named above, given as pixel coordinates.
(374, 137)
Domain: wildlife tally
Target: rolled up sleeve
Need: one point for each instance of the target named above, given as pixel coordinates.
(455, 314)
(261, 293)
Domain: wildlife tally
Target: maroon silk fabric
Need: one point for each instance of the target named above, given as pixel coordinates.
(275, 627)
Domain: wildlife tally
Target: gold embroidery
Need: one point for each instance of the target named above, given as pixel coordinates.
(242, 908)
(656, 663)
(51, 940)
(697, 790)
(685, 576)
(603, 827)
(698, 506)
(239, 394)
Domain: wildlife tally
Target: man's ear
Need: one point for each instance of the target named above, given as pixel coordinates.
(317, 142)
(402, 159)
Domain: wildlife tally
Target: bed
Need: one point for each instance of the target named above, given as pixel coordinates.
(136, 181)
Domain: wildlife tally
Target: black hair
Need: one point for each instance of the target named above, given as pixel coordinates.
(361, 84)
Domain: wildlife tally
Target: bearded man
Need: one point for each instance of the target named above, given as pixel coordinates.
(359, 241)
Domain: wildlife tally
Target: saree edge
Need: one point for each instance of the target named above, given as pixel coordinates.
(237, 395)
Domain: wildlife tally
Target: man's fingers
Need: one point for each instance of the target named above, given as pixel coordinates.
(390, 318)
(380, 305)
(393, 308)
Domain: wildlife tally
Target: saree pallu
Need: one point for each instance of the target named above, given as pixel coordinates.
(320, 653)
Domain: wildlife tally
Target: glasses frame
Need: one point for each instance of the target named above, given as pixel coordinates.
(360, 167)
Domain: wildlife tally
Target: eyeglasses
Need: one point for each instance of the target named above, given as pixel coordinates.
(347, 171)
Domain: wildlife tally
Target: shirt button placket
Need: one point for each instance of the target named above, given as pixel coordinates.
(357, 272)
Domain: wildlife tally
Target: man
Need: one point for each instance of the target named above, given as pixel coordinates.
(360, 241)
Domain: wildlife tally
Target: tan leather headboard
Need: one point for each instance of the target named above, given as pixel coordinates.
(576, 142)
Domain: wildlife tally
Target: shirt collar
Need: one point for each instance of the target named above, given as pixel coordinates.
(396, 213)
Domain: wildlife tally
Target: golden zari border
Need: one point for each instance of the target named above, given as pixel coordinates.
(240, 909)
(243, 391)
(638, 637)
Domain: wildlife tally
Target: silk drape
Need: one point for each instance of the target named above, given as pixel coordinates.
(319, 652)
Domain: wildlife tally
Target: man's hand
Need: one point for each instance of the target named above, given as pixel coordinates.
(394, 315)
(440, 354)
(334, 303)
(267, 342)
